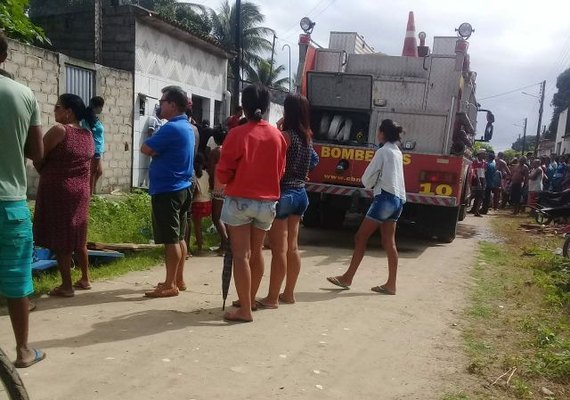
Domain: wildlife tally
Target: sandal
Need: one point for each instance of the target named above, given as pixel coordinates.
(80, 285)
(382, 290)
(283, 300)
(261, 305)
(229, 317)
(335, 281)
(162, 292)
(38, 356)
(181, 286)
(59, 292)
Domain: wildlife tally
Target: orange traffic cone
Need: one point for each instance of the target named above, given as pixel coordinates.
(410, 44)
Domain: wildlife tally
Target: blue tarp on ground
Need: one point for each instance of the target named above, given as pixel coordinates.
(44, 258)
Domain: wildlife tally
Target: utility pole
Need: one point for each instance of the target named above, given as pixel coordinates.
(524, 137)
(98, 27)
(237, 63)
(541, 109)
(272, 55)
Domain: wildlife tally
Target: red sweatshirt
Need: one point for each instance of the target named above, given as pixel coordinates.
(253, 161)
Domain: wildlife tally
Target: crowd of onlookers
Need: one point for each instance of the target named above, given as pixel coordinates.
(497, 182)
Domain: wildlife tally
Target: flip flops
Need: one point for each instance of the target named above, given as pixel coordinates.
(382, 290)
(59, 292)
(162, 292)
(334, 280)
(261, 305)
(79, 285)
(38, 356)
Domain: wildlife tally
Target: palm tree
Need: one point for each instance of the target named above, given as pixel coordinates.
(267, 76)
(254, 40)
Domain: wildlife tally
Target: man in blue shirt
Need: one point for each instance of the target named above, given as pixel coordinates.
(170, 175)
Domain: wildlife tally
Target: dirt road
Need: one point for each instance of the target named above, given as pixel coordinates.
(110, 343)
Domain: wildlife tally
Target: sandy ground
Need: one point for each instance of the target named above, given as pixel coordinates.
(110, 343)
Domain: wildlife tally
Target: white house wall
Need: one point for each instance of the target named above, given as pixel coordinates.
(562, 137)
(162, 60)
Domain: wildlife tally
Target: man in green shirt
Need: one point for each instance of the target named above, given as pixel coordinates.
(21, 138)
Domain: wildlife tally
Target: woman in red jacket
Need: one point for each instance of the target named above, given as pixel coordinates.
(251, 165)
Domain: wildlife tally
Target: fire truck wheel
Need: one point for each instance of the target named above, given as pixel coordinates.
(333, 217)
(447, 225)
(462, 212)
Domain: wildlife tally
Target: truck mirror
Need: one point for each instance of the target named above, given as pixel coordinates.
(488, 132)
(490, 117)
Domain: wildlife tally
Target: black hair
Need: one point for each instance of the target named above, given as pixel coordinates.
(490, 156)
(219, 135)
(199, 164)
(176, 95)
(297, 116)
(255, 101)
(96, 102)
(392, 131)
(242, 121)
(3, 44)
(77, 106)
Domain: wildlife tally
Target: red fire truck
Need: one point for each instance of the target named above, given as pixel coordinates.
(352, 88)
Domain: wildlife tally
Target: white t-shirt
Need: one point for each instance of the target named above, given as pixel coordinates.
(202, 193)
(386, 172)
(535, 185)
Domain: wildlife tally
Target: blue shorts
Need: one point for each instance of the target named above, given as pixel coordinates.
(16, 250)
(385, 207)
(238, 212)
(292, 202)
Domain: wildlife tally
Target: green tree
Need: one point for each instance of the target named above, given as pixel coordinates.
(15, 22)
(254, 41)
(560, 101)
(530, 144)
(264, 74)
(482, 145)
(511, 154)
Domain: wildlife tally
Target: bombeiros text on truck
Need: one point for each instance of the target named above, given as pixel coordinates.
(430, 92)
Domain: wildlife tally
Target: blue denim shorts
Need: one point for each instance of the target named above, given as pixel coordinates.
(16, 250)
(292, 202)
(385, 207)
(237, 212)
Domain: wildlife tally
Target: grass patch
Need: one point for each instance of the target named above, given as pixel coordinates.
(518, 316)
(120, 219)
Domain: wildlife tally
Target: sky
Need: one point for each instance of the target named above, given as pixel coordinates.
(516, 44)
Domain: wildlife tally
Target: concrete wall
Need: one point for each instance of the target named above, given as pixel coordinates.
(563, 134)
(162, 60)
(44, 72)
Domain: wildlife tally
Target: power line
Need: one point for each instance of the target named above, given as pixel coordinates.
(509, 92)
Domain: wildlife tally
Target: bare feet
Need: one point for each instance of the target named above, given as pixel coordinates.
(286, 299)
(238, 316)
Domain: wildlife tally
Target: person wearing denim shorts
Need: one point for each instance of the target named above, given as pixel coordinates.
(284, 234)
(251, 165)
(21, 137)
(385, 175)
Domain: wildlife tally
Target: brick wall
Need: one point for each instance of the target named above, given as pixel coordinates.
(44, 72)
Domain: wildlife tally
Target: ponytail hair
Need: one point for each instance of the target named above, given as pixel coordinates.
(90, 117)
(199, 163)
(77, 106)
(255, 101)
(392, 131)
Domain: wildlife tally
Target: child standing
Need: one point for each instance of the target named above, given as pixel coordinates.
(202, 201)
(217, 189)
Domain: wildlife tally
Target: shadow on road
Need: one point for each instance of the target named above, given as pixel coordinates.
(138, 324)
